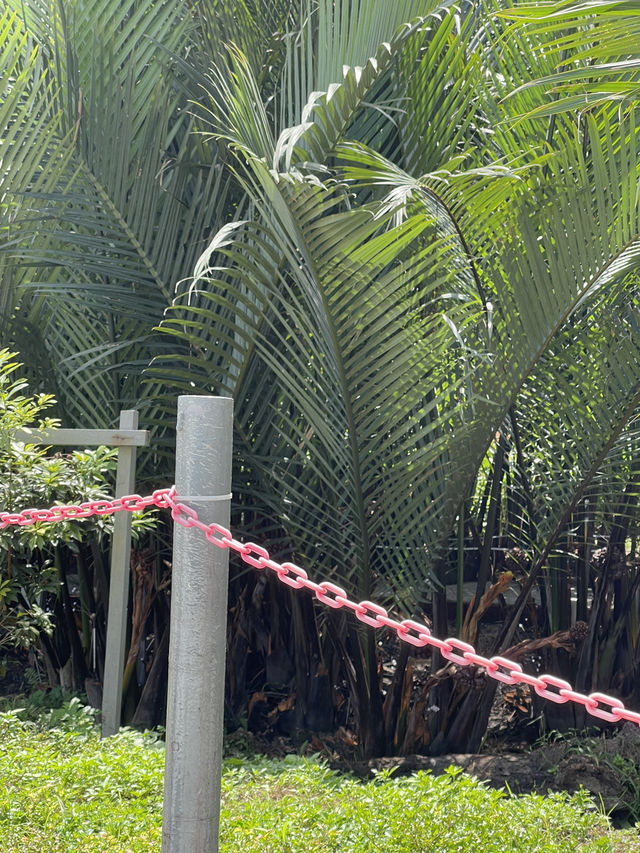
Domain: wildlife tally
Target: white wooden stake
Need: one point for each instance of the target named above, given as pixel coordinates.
(195, 707)
(119, 585)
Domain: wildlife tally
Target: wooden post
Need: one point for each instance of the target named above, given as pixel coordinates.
(119, 585)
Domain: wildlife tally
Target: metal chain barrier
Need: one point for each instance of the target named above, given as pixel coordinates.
(456, 651)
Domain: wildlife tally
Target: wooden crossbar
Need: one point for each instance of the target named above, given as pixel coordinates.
(84, 437)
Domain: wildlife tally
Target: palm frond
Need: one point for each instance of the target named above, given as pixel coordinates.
(27, 108)
(122, 220)
(601, 38)
(573, 424)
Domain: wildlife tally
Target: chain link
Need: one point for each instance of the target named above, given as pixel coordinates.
(408, 631)
(415, 633)
(70, 512)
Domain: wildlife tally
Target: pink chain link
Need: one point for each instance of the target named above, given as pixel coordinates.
(456, 651)
(131, 503)
(415, 633)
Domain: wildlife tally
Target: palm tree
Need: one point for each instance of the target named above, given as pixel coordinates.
(106, 193)
(404, 264)
(415, 273)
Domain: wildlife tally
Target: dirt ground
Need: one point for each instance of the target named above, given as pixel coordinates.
(605, 763)
(605, 766)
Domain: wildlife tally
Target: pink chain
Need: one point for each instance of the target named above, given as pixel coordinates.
(456, 651)
(132, 503)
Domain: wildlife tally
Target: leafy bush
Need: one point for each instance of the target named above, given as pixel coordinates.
(52, 709)
(46, 579)
(64, 789)
(301, 805)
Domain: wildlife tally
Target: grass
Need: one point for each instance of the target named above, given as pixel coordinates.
(62, 789)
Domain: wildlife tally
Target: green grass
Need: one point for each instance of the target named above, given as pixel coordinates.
(69, 792)
(63, 789)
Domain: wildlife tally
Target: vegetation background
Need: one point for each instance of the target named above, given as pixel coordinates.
(404, 237)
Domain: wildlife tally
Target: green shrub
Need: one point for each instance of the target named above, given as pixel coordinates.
(47, 577)
(63, 789)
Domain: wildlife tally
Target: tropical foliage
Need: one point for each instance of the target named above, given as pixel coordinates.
(413, 264)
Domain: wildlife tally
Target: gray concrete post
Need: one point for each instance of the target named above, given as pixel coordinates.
(195, 710)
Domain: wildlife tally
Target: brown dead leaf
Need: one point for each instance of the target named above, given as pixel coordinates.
(470, 629)
(257, 697)
(288, 703)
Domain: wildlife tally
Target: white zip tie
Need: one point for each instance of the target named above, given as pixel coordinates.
(201, 498)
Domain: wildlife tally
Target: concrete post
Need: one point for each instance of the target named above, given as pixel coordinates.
(195, 711)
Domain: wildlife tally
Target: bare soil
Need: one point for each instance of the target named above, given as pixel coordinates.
(602, 765)
(607, 764)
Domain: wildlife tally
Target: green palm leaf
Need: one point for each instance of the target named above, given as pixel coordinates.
(602, 40)
(27, 108)
(102, 245)
(512, 257)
